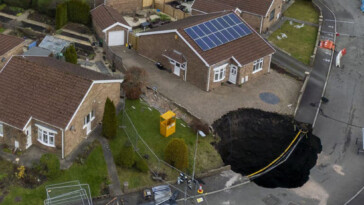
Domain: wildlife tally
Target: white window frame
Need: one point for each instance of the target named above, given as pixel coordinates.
(1, 130)
(46, 133)
(220, 73)
(92, 117)
(258, 65)
(273, 12)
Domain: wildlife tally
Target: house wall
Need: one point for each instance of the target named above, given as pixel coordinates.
(247, 70)
(277, 5)
(11, 134)
(153, 46)
(98, 30)
(58, 138)
(95, 100)
(15, 51)
(125, 6)
(117, 28)
(213, 84)
(253, 20)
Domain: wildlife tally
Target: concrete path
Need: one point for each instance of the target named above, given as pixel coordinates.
(300, 21)
(115, 188)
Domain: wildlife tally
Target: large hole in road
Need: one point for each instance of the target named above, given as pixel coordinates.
(251, 139)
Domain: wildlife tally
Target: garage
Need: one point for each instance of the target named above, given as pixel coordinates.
(116, 38)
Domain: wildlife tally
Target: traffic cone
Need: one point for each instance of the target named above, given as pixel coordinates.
(200, 190)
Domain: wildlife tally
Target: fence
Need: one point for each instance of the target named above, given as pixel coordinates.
(115, 60)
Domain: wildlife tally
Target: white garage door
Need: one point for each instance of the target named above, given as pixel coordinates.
(116, 38)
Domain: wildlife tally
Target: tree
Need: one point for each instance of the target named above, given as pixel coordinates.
(109, 120)
(126, 156)
(176, 153)
(71, 54)
(51, 165)
(141, 165)
(134, 82)
(78, 11)
(61, 15)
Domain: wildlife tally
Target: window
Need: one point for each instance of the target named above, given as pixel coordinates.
(219, 73)
(46, 136)
(172, 61)
(178, 65)
(1, 130)
(258, 65)
(271, 17)
(88, 118)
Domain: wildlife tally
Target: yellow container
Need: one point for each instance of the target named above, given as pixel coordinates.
(168, 123)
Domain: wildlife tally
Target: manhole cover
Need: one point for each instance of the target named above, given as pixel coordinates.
(269, 98)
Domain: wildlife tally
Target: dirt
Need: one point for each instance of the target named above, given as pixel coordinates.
(251, 139)
(78, 28)
(36, 16)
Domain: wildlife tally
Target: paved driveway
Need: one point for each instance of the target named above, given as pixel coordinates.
(212, 105)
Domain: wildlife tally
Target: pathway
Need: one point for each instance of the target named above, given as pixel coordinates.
(115, 188)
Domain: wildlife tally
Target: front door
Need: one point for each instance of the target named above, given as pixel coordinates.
(88, 123)
(177, 69)
(233, 74)
(28, 131)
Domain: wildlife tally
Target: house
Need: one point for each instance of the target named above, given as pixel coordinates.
(10, 45)
(208, 50)
(110, 26)
(260, 14)
(51, 104)
(125, 6)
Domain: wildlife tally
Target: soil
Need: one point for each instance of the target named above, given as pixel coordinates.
(251, 139)
(10, 11)
(33, 27)
(75, 36)
(36, 16)
(78, 28)
(4, 19)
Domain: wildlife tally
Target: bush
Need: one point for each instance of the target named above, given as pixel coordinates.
(141, 165)
(109, 120)
(197, 125)
(61, 15)
(126, 157)
(71, 54)
(176, 153)
(51, 165)
(78, 12)
(43, 6)
(18, 3)
(135, 79)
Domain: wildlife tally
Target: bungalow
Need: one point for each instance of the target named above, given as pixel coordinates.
(207, 50)
(260, 14)
(51, 104)
(110, 26)
(10, 45)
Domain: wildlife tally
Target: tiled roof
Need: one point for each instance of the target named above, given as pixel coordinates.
(245, 49)
(44, 88)
(105, 16)
(259, 7)
(8, 42)
(209, 6)
(175, 55)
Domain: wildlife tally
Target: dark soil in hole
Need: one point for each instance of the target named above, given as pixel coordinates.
(251, 139)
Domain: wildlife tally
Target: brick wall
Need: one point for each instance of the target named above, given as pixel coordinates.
(125, 6)
(15, 51)
(277, 7)
(94, 101)
(98, 30)
(253, 20)
(58, 138)
(11, 134)
(247, 70)
(153, 46)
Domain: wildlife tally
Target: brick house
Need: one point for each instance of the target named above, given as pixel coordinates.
(260, 14)
(235, 61)
(125, 6)
(51, 104)
(110, 26)
(10, 45)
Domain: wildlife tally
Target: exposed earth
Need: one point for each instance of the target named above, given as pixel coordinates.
(251, 139)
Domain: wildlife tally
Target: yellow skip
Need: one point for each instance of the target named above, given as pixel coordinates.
(280, 156)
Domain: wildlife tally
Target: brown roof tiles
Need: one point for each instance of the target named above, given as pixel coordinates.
(105, 16)
(8, 42)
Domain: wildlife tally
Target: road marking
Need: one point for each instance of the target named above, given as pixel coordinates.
(340, 21)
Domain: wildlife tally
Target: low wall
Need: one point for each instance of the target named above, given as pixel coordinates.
(115, 60)
(312, 59)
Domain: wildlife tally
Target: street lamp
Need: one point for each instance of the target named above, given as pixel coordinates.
(202, 134)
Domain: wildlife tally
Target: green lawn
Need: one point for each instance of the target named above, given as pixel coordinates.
(300, 42)
(303, 10)
(146, 121)
(92, 172)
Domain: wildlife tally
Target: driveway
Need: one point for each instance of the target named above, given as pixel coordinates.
(210, 106)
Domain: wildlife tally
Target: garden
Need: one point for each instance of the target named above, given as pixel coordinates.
(146, 121)
(303, 10)
(27, 185)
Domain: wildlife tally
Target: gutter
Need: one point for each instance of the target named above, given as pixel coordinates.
(62, 143)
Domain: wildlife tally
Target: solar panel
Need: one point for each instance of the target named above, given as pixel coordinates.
(218, 31)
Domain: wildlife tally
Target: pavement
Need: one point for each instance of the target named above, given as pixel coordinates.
(212, 105)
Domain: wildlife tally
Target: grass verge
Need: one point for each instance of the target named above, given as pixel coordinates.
(300, 42)
(303, 10)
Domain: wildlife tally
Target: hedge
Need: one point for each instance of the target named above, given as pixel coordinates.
(61, 16)
(18, 3)
(126, 157)
(71, 54)
(78, 12)
(51, 164)
(176, 153)
(109, 120)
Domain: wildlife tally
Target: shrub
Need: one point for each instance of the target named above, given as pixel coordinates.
(71, 54)
(141, 165)
(21, 173)
(51, 165)
(126, 157)
(78, 11)
(176, 153)
(109, 120)
(135, 79)
(43, 6)
(18, 3)
(61, 15)
(197, 125)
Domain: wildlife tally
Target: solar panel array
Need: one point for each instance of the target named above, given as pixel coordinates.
(218, 31)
